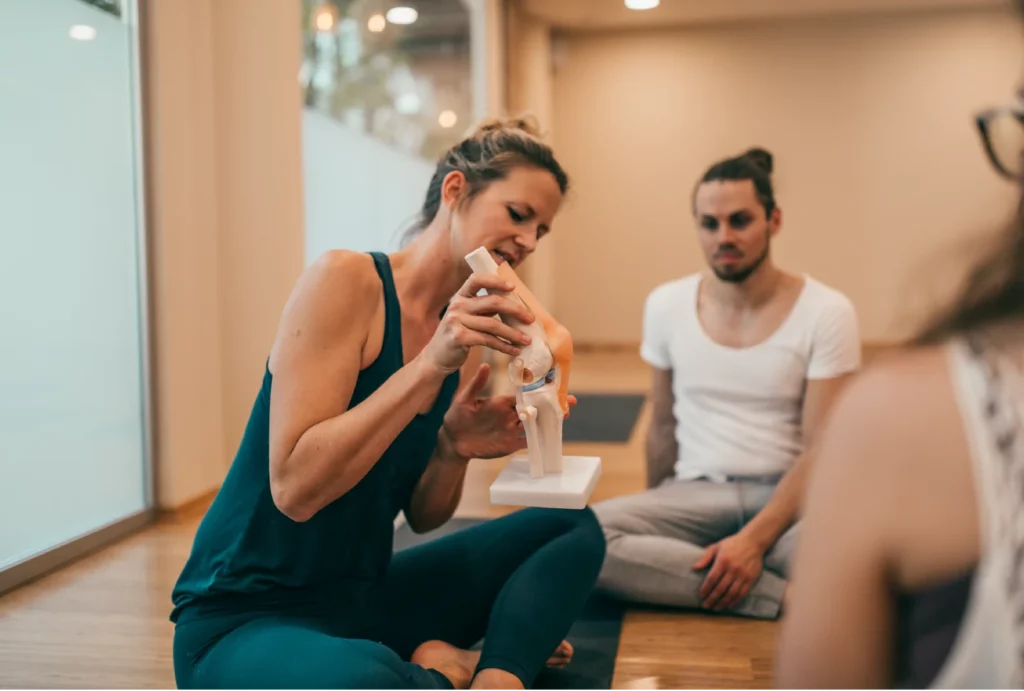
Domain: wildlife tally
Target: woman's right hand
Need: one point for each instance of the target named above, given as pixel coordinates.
(469, 321)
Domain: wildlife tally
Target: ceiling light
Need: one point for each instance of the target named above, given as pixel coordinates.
(447, 119)
(81, 32)
(376, 23)
(402, 15)
(326, 17)
(408, 103)
(642, 4)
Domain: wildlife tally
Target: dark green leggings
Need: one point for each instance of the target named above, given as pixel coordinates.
(517, 582)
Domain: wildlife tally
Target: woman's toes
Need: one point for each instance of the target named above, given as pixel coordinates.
(562, 656)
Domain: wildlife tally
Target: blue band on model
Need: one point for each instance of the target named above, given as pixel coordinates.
(548, 378)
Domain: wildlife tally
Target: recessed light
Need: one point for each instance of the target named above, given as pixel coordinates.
(642, 4)
(376, 23)
(447, 119)
(402, 15)
(82, 32)
(408, 103)
(326, 17)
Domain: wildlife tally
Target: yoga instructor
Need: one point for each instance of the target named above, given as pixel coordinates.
(291, 582)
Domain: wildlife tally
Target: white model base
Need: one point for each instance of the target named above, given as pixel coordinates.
(570, 489)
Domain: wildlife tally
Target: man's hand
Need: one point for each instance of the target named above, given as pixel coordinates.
(736, 563)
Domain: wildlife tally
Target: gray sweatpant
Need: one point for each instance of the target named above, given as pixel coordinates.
(655, 537)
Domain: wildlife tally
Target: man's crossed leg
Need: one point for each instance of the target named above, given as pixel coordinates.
(746, 361)
(656, 538)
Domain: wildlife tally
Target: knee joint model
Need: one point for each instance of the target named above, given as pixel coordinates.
(540, 376)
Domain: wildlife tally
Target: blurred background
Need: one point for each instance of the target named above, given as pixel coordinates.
(169, 167)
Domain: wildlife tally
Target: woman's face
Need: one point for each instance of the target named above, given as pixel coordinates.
(509, 216)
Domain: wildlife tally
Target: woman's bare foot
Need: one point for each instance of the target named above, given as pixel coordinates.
(561, 657)
(459, 666)
(497, 679)
(455, 664)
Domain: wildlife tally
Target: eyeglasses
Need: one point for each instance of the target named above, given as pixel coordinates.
(1002, 133)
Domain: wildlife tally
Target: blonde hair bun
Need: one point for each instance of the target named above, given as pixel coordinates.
(526, 124)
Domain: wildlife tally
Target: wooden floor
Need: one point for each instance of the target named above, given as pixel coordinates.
(102, 622)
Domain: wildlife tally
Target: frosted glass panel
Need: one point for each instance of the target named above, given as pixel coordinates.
(72, 452)
(361, 194)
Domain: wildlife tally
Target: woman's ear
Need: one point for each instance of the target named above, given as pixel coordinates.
(453, 189)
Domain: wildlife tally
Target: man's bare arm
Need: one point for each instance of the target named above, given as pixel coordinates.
(662, 447)
(737, 561)
(784, 507)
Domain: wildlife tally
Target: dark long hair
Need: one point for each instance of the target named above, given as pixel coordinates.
(993, 291)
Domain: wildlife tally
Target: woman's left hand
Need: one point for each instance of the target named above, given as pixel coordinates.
(484, 427)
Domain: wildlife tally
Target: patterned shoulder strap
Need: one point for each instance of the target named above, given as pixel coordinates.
(1000, 403)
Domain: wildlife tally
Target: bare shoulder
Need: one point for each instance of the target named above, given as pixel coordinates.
(338, 293)
(893, 421)
(894, 395)
(827, 296)
(897, 434)
(344, 273)
(340, 281)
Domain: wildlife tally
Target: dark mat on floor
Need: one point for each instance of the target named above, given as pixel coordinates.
(594, 636)
(608, 418)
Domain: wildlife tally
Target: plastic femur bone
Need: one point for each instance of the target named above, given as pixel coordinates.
(552, 351)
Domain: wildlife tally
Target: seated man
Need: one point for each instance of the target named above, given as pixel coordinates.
(746, 361)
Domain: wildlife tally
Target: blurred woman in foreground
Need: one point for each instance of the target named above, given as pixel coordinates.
(910, 571)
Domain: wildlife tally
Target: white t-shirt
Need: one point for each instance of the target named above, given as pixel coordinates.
(738, 410)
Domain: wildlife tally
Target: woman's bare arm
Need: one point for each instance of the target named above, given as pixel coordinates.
(438, 491)
(319, 449)
(319, 446)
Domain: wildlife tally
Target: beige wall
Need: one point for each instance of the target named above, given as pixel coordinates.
(489, 57)
(225, 215)
(530, 87)
(259, 139)
(185, 249)
(878, 163)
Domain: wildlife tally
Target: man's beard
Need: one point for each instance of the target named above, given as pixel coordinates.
(740, 275)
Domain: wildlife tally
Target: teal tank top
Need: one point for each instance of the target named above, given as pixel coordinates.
(248, 556)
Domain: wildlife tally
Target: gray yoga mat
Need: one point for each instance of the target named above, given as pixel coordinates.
(594, 636)
(607, 418)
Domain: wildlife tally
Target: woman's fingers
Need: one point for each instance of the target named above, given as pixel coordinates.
(488, 325)
(502, 305)
(496, 302)
(490, 282)
(467, 337)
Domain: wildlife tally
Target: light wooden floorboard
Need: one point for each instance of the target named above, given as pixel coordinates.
(102, 622)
